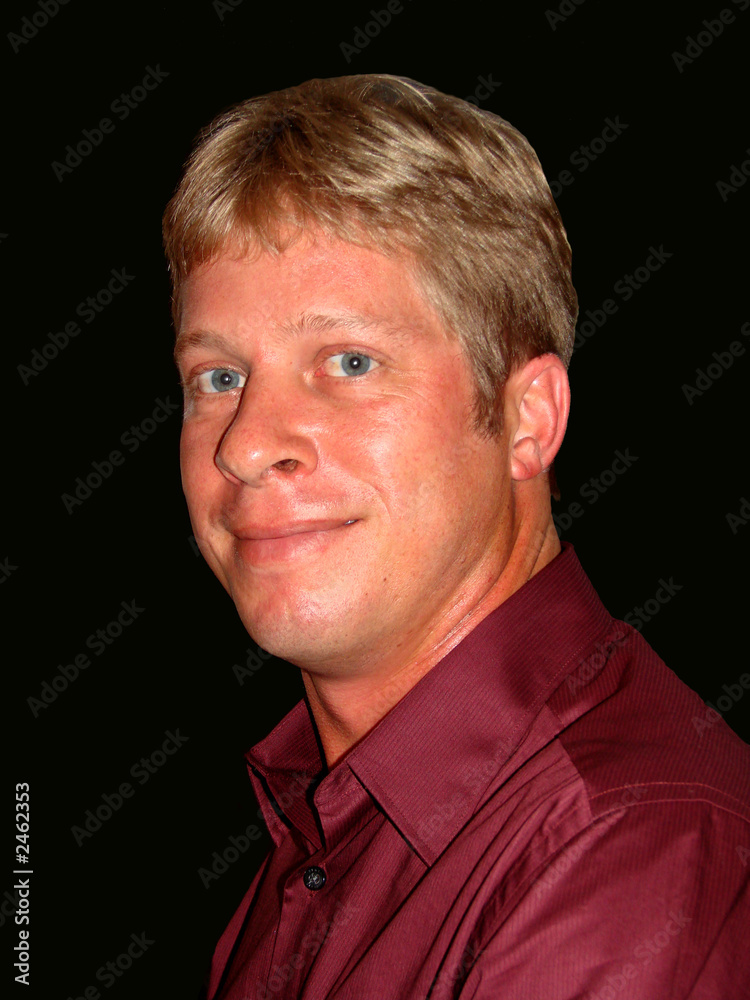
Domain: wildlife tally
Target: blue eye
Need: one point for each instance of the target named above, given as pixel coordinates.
(220, 380)
(353, 364)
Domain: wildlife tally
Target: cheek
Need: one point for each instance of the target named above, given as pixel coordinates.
(196, 465)
(420, 460)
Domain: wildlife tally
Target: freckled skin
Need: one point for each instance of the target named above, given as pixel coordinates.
(448, 523)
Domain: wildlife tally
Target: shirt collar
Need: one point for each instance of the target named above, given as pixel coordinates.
(429, 761)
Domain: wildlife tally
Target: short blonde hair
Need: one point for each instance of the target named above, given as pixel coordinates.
(385, 162)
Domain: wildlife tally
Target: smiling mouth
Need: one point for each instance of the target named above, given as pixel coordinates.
(267, 532)
(282, 543)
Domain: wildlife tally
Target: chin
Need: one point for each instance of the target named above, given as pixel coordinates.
(288, 628)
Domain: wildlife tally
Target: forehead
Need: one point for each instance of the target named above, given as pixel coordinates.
(318, 279)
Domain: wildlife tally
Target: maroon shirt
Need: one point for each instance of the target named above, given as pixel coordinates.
(549, 814)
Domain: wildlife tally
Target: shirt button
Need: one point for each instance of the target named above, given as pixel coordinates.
(314, 877)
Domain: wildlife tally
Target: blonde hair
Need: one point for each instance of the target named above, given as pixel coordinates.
(385, 162)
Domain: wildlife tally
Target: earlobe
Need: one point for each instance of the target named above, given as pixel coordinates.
(538, 395)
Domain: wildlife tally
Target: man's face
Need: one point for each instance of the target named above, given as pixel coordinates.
(321, 389)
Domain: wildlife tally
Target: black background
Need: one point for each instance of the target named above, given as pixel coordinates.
(172, 668)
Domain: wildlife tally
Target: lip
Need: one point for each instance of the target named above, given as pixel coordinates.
(285, 530)
(273, 545)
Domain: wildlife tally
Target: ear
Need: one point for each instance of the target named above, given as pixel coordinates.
(536, 404)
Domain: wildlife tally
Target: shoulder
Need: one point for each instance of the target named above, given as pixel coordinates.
(635, 871)
(635, 734)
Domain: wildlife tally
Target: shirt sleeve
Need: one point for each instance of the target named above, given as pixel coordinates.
(649, 903)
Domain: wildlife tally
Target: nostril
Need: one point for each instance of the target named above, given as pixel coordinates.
(286, 464)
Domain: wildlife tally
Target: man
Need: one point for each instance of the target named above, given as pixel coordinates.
(491, 789)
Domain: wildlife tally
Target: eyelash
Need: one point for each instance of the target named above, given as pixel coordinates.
(228, 368)
(357, 354)
(214, 368)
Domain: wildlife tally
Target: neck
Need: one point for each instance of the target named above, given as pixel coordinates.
(346, 707)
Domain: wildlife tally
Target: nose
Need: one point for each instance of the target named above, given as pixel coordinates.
(270, 435)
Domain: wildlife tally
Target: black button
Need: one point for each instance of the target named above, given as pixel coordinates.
(314, 877)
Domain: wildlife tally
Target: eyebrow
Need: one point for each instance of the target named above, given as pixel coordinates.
(199, 338)
(306, 322)
(309, 322)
